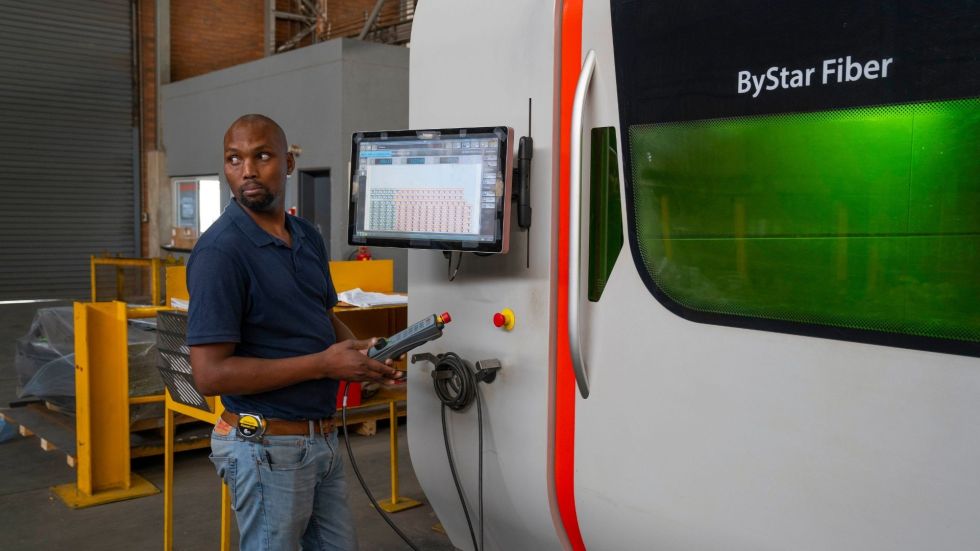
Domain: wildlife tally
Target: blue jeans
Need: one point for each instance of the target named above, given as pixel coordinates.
(287, 491)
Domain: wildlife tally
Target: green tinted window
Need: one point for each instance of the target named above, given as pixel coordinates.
(605, 218)
(865, 218)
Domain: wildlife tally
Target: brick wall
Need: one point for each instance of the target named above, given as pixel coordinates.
(344, 18)
(148, 96)
(207, 35)
(344, 11)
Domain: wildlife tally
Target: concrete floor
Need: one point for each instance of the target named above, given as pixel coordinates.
(32, 518)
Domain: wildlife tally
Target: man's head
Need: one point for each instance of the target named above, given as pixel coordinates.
(257, 162)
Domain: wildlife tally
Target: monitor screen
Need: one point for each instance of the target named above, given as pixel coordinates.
(447, 189)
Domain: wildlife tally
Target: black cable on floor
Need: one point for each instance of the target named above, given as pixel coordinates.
(353, 462)
(479, 417)
(459, 488)
(456, 386)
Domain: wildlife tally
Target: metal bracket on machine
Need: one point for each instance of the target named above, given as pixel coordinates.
(425, 357)
(485, 371)
(522, 181)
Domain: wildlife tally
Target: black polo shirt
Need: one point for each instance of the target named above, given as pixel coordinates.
(248, 288)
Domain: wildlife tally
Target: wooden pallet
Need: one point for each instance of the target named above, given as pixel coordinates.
(139, 424)
(364, 418)
(56, 431)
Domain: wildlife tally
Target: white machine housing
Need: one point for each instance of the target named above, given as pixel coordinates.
(695, 436)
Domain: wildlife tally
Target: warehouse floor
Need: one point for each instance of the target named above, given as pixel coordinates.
(32, 518)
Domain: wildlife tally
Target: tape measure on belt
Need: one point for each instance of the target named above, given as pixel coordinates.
(251, 426)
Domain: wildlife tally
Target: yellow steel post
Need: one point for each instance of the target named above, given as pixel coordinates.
(120, 283)
(168, 477)
(393, 447)
(102, 410)
(148, 399)
(225, 517)
(176, 284)
(144, 311)
(397, 503)
(91, 265)
(154, 281)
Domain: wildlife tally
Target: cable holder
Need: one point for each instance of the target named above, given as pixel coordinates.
(485, 371)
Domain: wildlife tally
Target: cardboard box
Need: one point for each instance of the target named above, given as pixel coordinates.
(183, 238)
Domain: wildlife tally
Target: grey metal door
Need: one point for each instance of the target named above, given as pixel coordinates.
(314, 201)
(67, 143)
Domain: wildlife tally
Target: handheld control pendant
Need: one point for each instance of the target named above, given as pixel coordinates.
(415, 335)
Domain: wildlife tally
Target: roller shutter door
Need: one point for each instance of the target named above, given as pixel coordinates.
(67, 143)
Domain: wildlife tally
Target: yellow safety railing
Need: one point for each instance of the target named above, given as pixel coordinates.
(154, 265)
(172, 408)
(177, 288)
(102, 407)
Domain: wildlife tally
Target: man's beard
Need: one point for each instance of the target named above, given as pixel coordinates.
(262, 203)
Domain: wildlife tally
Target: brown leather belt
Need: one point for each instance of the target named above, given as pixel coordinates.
(285, 427)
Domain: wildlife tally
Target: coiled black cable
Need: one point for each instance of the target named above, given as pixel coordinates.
(456, 386)
(454, 382)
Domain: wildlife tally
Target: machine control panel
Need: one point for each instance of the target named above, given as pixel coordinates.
(420, 332)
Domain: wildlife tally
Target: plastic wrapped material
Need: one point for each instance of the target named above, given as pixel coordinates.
(45, 361)
(8, 431)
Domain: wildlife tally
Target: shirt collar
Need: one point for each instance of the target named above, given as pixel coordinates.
(257, 235)
(296, 230)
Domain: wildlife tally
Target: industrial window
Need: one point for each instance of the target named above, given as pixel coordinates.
(197, 202)
(861, 218)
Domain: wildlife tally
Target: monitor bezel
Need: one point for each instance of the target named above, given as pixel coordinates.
(505, 151)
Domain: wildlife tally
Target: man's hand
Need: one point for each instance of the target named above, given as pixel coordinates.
(218, 371)
(348, 361)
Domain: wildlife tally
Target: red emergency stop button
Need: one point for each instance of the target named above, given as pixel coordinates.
(504, 319)
(445, 317)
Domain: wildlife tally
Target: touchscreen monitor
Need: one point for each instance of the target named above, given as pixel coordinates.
(446, 189)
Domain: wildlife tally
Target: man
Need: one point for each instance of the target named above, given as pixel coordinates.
(263, 335)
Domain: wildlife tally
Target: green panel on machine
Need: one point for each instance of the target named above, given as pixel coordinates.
(864, 218)
(605, 210)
